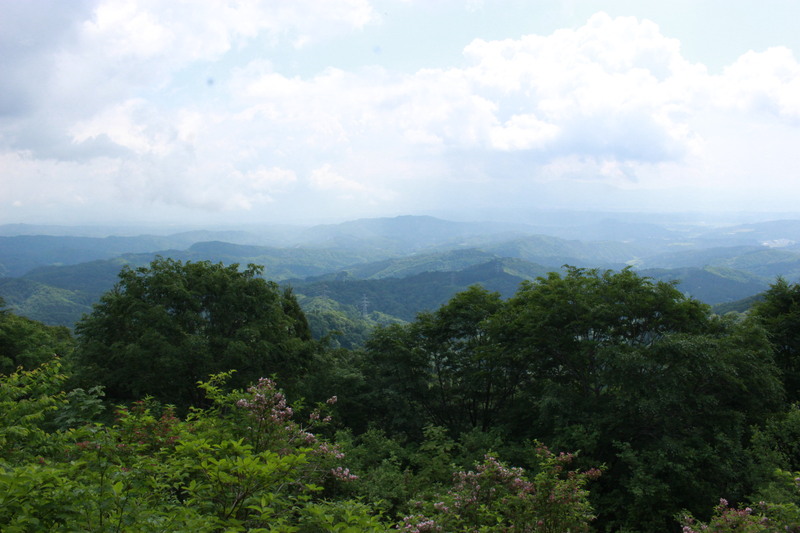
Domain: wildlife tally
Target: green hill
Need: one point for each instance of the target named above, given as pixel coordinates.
(44, 303)
(555, 252)
(23, 253)
(712, 285)
(405, 297)
(739, 306)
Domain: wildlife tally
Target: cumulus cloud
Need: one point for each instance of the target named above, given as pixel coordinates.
(523, 132)
(325, 178)
(768, 81)
(97, 54)
(612, 88)
(127, 125)
(612, 101)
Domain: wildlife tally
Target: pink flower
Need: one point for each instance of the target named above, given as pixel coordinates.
(343, 474)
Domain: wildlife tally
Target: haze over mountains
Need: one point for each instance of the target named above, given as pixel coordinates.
(399, 266)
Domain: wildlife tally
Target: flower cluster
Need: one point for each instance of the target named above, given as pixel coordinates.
(495, 495)
(272, 427)
(266, 402)
(343, 474)
(728, 519)
(418, 524)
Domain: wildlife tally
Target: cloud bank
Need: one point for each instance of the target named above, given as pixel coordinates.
(186, 111)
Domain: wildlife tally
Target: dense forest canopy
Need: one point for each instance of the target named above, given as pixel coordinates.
(589, 400)
(168, 325)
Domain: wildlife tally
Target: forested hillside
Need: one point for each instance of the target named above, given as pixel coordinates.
(401, 266)
(573, 404)
(418, 266)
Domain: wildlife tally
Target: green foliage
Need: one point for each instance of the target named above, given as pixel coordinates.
(243, 464)
(683, 407)
(394, 472)
(728, 519)
(48, 304)
(81, 407)
(496, 498)
(337, 325)
(768, 516)
(642, 379)
(346, 516)
(27, 344)
(166, 326)
(26, 398)
(624, 368)
(779, 312)
(445, 366)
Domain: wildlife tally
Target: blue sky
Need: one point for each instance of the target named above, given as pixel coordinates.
(307, 111)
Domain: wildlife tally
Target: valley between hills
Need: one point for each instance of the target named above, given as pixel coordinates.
(351, 276)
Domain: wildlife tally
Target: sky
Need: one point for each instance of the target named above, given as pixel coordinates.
(311, 111)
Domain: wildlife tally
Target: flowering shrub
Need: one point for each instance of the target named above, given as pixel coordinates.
(244, 464)
(263, 465)
(727, 519)
(269, 425)
(497, 498)
(763, 516)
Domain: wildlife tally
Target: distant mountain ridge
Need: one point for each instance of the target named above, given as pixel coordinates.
(405, 256)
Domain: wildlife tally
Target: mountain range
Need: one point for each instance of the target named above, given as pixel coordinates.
(400, 266)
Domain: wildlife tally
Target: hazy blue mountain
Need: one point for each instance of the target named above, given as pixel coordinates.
(408, 265)
(363, 240)
(279, 263)
(92, 278)
(402, 265)
(22, 253)
(762, 261)
(404, 234)
(555, 252)
(775, 233)
(695, 257)
(768, 263)
(712, 285)
(645, 235)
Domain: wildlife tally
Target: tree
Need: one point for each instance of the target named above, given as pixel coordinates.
(779, 312)
(166, 326)
(27, 343)
(645, 380)
(445, 365)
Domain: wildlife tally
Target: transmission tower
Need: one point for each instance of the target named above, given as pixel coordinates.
(364, 305)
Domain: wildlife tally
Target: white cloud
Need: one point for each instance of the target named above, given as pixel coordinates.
(132, 125)
(124, 29)
(523, 132)
(326, 179)
(192, 30)
(768, 81)
(116, 51)
(590, 88)
(611, 101)
(267, 179)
